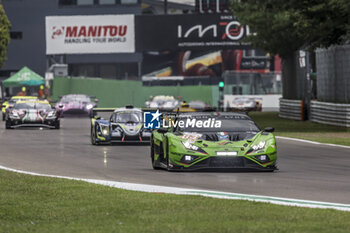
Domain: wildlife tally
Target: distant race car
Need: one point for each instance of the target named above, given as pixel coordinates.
(32, 113)
(76, 104)
(236, 143)
(199, 105)
(125, 124)
(163, 102)
(9, 103)
(245, 104)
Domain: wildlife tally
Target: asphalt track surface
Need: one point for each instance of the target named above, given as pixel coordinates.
(307, 171)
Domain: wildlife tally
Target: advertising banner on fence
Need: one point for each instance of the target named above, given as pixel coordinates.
(90, 34)
(192, 31)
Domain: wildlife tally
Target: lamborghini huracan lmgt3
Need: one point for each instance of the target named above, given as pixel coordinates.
(236, 143)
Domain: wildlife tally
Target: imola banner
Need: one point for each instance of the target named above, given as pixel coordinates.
(189, 31)
(90, 34)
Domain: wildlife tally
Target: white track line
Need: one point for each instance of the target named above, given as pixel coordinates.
(312, 142)
(206, 193)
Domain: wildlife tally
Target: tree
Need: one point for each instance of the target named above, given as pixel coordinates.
(4, 34)
(285, 26)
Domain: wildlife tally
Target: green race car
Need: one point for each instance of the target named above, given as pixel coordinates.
(201, 141)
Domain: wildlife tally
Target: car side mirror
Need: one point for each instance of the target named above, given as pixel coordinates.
(269, 129)
(96, 100)
(60, 105)
(162, 130)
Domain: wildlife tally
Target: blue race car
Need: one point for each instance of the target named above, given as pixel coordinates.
(125, 124)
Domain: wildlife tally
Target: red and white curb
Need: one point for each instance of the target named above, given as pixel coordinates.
(206, 193)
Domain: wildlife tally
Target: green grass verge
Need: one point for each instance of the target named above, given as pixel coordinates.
(302, 129)
(41, 204)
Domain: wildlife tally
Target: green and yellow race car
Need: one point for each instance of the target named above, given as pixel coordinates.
(9, 103)
(201, 141)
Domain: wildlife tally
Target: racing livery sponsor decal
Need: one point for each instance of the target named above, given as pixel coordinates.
(90, 34)
(191, 137)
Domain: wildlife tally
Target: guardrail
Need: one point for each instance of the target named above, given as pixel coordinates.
(292, 109)
(330, 113)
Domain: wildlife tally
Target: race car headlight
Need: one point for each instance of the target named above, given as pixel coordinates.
(104, 129)
(89, 106)
(51, 114)
(189, 146)
(259, 146)
(14, 115)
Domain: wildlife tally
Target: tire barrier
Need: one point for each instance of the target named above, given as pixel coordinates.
(292, 109)
(330, 113)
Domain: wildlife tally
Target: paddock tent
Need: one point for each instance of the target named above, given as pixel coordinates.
(24, 77)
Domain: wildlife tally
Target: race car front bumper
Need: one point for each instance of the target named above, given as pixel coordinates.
(223, 163)
(47, 124)
(122, 137)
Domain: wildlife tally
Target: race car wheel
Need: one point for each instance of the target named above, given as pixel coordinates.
(8, 125)
(167, 153)
(154, 162)
(3, 117)
(57, 125)
(152, 156)
(92, 136)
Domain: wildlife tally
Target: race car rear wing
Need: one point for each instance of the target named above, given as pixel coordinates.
(94, 111)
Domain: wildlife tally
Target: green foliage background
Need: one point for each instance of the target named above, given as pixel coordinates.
(285, 26)
(4, 34)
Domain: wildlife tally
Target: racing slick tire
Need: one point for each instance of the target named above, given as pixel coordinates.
(167, 154)
(3, 117)
(8, 124)
(93, 136)
(152, 156)
(57, 125)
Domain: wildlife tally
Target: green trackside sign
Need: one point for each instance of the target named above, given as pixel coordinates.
(24, 77)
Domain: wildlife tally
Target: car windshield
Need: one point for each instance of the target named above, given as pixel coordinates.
(128, 117)
(225, 123)
(39, 106)
(12, 101)
(75, 98)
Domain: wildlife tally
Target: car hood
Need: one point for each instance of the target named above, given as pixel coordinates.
(235, 141)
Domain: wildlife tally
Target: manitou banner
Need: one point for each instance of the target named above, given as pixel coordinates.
(90, 34)
(190, 31)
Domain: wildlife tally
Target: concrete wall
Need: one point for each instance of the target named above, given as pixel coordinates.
(114, 93)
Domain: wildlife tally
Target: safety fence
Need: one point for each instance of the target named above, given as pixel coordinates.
(330, 113)
(292, 109)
